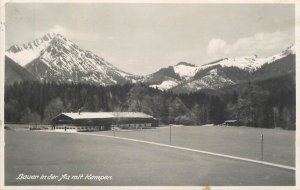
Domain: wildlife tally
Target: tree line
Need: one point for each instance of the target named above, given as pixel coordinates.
(252, 105)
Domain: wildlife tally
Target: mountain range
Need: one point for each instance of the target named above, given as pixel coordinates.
(185, 77)
(55, 58)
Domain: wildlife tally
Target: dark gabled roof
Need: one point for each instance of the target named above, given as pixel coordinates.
(102, 115)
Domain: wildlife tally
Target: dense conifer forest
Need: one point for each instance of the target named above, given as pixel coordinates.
(268, 104)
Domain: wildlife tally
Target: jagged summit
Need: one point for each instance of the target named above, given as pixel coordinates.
(32, 45)
(25, 53)
(55, 58)
(249, 63)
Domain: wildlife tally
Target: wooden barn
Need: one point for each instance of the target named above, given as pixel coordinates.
(99, 121)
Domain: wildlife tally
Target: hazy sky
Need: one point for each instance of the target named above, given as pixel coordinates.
(141, 38)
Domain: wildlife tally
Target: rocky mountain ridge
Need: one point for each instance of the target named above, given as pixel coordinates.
(55, 58)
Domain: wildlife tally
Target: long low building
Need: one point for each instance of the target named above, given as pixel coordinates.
(99, 121)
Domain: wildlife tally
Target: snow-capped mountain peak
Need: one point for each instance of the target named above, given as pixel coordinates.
(185, 77)
(185, 70)
(249, 63)
(23, 54)
(32, 45)
(55, 58)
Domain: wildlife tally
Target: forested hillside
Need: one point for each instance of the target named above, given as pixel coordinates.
(268, 104)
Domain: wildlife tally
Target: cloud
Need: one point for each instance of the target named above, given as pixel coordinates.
(75, 35)
(215, 45)
(262, 44)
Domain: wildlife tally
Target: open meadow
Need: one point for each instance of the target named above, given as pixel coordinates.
(135, 163)
(278, 145)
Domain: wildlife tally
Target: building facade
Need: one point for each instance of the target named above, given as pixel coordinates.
(231, 123)
(100, 121)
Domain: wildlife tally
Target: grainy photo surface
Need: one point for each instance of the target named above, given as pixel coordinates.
(160, 94)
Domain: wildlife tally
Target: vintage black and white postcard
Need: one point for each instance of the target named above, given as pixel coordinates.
(153, 94)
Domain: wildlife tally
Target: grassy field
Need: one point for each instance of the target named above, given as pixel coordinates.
(132, 163)
(278, 145)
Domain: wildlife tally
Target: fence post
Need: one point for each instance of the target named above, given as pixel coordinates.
(170, 135)
(262, 147)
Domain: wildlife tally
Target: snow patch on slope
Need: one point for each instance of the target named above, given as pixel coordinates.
(165, 85)
(185, 71)
(211, 81)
